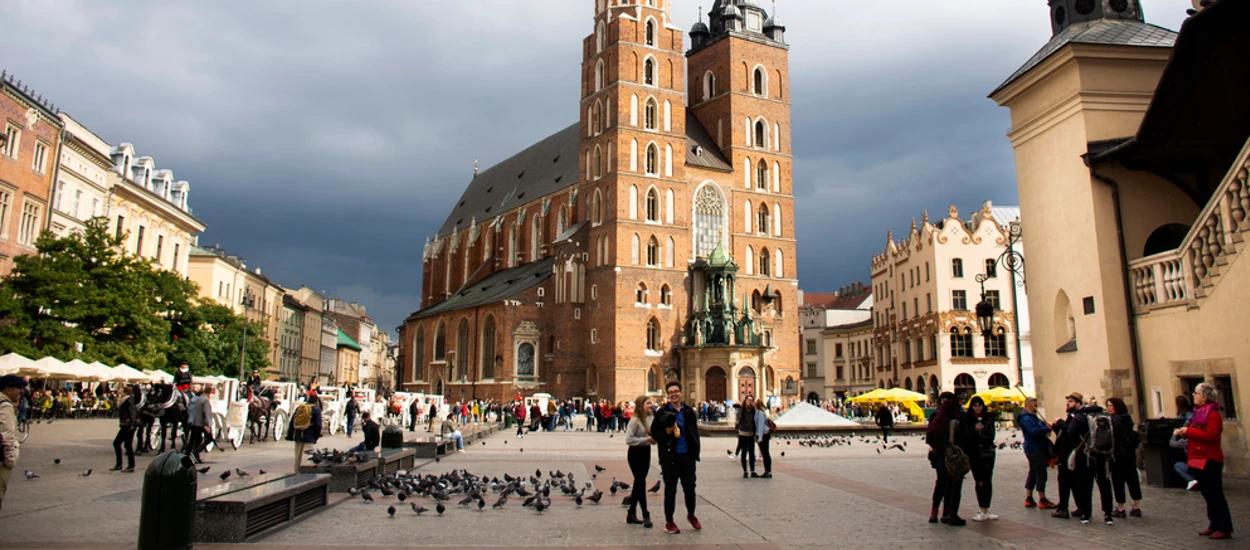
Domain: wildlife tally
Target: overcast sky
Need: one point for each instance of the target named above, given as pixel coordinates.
(326, 139)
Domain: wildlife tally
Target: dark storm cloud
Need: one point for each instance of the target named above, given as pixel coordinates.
(324, 140)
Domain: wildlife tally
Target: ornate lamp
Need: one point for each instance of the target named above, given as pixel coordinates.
(985, 317)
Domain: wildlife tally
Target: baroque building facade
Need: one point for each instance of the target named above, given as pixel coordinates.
(926, 336)
(1133, 184)
(29, 144)
(653, 240)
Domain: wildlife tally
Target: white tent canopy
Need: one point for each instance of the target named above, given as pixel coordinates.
(160, 377)
(19, 365)
(129, 374)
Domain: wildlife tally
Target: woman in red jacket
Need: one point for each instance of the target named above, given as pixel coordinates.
(1206, 460)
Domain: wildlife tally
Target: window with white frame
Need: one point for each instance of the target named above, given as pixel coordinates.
(761, 175)
(651, 114)
(640, 293)
(28, 226)
(650, 32)
(653, 160)
(653, 253)
(12, 137)
(653, 335)
(653, 205)
(6, 203)
(666, 295)
(648, 72)
(40, 161)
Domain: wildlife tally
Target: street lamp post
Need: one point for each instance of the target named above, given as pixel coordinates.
(1013, 260)
(248, 302)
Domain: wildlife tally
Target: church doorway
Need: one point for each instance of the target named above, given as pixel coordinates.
(715, 383)
(746, 383)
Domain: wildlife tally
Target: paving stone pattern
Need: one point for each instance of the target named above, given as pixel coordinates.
(840, 497)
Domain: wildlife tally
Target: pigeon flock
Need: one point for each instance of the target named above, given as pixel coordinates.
(463, 489)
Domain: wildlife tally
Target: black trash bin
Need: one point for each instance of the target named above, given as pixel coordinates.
(167, 510)
(1158, 457)
(392, 437)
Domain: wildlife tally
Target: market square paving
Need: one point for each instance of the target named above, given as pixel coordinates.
(838, 497)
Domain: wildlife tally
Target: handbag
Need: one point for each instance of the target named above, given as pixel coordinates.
(956, 460)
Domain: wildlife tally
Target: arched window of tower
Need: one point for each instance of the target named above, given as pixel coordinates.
(761, 175)
(709, 219)
(653, 160)
(648, 72)
(650, 32)
(650, 114)
(761, 134)
(760, 82)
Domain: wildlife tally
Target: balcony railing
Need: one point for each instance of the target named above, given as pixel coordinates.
(1187, 274)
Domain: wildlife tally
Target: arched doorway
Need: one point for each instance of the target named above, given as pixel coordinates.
(746, 383)
(714, 381)
(813, 398)
(965, 386)
(920, 385)
(999, 380)
(907, 384)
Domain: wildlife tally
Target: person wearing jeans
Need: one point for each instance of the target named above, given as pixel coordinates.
(978, 427)
(762, 435)
(746, 436)
(127, 421)
(676, 433)
(1037, 451)
(639, 440)
(450, 431)
(372, 435)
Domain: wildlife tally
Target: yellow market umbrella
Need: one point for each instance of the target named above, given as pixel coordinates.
(1001, 396)
(894, 395)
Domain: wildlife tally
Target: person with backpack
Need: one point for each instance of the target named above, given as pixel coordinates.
(948, 459)
(305, 428)
(978, 428)
(1094, 444)
(1124, 459)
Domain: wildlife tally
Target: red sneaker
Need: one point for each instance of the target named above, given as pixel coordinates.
(1029, 502)
(1046, 505)
(1220, 535)
(671, 528)
(1206, 532)
(694, 522)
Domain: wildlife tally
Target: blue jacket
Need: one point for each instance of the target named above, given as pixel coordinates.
(1035, 432)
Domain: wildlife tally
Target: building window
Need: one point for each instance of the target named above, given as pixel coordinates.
(650, 32)
(991, 268)
(765, 265)
(160, 247)
(640, 293)
(1225, 397)
(811, 347)
(488, 350)
(594, 336)
(648, 72)
(920, 349)
(121, 227)
(653, 379)
(959, 300)
(6, 202)
(961, 343)
(440, 343)
(761, 219)
(761, 175)
(993, 297)
(525, 360)
(653, 205)
(933, 347)
(996, 343)
(174, 263)
(709, 219)
(837, 350)
(811, 370)
(906, 352)
(904, 310)
(139, 242)
(40, 161)
(666, 295)
(653, 253)
(11, 138)
(928, 300)
(759, 82)
(651, 114)
(957, 268)
(761, 134)
(653, 160)
(28, 228)
(653, 335)
(926, 272)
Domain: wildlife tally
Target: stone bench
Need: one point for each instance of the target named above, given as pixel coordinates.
(234, 515)
(428, 447)
(394, 460)
(348, 475)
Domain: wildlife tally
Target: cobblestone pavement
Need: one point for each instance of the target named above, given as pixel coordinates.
(839, 497)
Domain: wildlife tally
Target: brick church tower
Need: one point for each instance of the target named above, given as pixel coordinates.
(651, 241)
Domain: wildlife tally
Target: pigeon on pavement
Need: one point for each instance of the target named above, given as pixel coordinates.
(31, 475)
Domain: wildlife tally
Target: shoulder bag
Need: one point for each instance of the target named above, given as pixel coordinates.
(956, 460)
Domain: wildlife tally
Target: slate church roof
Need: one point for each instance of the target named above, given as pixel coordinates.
(549, 166)
(499, 286)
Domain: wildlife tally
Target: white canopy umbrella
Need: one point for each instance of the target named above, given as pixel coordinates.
(54, 368)
(160, 377)
(103, 372)
(83, 372)
(19, 365)
(129, 374)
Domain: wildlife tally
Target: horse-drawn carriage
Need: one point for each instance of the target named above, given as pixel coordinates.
(367, 400)
(333, 411)
(229, 410)
(269, 412)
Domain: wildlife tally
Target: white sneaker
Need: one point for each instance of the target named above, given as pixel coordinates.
(1192, 485)
(980, 517)
(991, 516)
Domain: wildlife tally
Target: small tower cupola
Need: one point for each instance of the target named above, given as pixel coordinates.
(1068, 13)
(699, 33)
(774, 28)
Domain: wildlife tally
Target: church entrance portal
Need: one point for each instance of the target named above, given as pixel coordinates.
(715, 381)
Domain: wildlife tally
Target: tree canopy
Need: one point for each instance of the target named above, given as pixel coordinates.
(82, 297)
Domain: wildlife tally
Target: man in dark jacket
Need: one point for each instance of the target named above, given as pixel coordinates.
(676, 433)
(351, 409)
(414, 411)
(309, 435)
(372, 436)
(127, 420)
(1090, 467)
(885, 419)
(1068, 431)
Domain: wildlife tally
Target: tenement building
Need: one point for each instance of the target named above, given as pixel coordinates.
(28, 152)
(1132, 153)
(926, 336)
(652, 240)
(837, 343)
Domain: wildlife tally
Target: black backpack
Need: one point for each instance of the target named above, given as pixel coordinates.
(1101, 437)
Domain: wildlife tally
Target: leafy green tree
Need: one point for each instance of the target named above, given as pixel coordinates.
(81, 290)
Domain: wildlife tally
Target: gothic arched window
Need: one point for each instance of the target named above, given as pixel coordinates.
(488, 350)
(650, 32)
(653, 335)
(709, 219)
(653, 205)
(765, 265)
(761, 217)
(651, 114)
(761, 175)
(653, 253)
(648, 72)
(653, 160)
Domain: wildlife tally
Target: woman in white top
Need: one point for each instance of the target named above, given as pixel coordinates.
(637, 436)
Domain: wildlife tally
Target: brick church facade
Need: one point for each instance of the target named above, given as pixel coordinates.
(651, 241)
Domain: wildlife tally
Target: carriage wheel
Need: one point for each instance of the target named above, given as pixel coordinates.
(279, 425)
